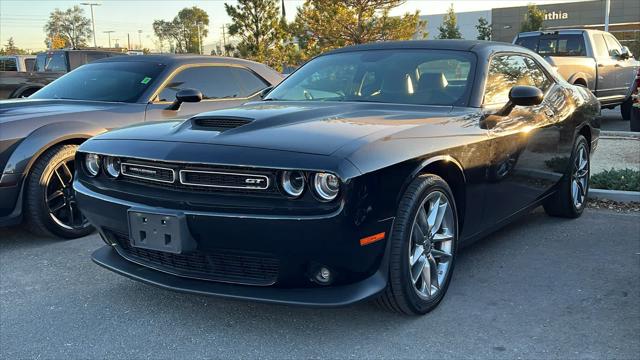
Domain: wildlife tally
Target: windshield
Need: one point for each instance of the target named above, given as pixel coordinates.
(423, 77)
(110, 81)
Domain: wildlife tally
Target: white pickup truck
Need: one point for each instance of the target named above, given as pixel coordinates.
(591, 58)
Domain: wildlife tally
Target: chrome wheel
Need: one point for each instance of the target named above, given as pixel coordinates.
(60, 198)
(431, 247)
(580, 176)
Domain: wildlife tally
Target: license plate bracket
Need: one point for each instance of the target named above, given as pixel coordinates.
(165, 231)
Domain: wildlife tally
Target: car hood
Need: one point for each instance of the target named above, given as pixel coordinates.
(306, 127)
(21, 109)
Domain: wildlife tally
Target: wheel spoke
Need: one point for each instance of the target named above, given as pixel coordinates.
(581, 188)
(441, 237)
(574, 190)
(58, 207)
(56, 194)
(422, 220)
(62, 182)
(68, 173)
(433, 212)
(417, 253)
(418, 268)
(441, 255)
(426, 276)
(434, 272)
(442, 209)
(417, 236)
(72, 218)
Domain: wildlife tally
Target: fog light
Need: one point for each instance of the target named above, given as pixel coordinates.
(323, 276)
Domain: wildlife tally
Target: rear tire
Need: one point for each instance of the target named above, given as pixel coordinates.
(570, 199)
(46, 190)
(420, 267)
(625, 109)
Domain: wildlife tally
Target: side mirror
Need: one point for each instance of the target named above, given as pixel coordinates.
(265, 91)
(522, 95)
(185, 95)
(625, 53)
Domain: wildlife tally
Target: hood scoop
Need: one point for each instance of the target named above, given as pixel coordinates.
(219, 123)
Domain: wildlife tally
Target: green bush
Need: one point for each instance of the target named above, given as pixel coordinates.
(627, 180)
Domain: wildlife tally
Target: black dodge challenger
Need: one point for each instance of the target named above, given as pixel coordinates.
(360, 175)
(39, 135)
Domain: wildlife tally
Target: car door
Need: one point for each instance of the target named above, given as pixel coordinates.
(222, 87)
(623, 68)
(525, 142)
(606, 68)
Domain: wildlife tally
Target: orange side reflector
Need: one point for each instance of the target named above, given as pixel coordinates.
(371, 239)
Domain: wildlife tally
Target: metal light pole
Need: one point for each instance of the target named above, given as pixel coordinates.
(108, 32)
(607, 8)
(139, 39)
(93, 22)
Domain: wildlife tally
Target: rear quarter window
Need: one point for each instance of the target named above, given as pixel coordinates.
(8, 64)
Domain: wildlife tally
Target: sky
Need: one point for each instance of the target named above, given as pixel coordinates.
(24, 19)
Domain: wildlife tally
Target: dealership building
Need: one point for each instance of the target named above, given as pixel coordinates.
(624, 19)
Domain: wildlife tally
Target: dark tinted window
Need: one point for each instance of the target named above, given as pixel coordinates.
(507, 71)
(41, 60)
(555, 44)
(215, 82)
(29, 64)
(250, 83)
(56, 62)
(425, 77)
(8, 64)
(112, 81)
(599, 46)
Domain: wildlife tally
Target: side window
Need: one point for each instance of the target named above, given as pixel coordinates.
(8, 64)
(249, 81)
(29, 64)
(599, 46)
(539, 77)
(612, 43)
(215, 82)
(505, 72)
(56, 62)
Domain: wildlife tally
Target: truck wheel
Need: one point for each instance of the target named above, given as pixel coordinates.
(634, 124)
(625, 109)
(50, 206)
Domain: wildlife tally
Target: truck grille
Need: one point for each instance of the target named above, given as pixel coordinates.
(219, 265)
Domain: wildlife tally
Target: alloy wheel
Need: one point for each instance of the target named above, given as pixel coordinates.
(60, 198)
(580, 176)
(431, 246)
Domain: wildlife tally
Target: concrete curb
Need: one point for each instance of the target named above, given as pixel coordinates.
(620, 134)
(615, 195)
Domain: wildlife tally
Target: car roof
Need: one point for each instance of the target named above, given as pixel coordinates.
(460, 45)
(176, 59)
(560, 31)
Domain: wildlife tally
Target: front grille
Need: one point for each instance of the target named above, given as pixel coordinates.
(221, 123)
(201, 178)
(223, 179)
(219, 265)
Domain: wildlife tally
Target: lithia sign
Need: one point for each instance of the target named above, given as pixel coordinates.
(556, 15)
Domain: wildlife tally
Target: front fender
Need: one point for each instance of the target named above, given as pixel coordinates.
(43, 138)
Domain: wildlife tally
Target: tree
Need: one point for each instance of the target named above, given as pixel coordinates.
(326, 24)
(11, 49)
(449, 28)
(484, 29)
(185, 31)
(71, 25)
(262, 32)
(533, 19)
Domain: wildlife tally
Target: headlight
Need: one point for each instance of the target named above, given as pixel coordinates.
(326, 186)
(92, 164)
(293, 183)
(112, 166)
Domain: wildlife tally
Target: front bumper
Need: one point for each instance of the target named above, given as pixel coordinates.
(297, 243)
(332, 296)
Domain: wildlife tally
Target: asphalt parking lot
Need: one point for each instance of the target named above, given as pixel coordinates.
(540, 288)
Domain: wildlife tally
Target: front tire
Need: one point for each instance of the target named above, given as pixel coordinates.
(50, 207)
(424, 242)
(570, 199)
